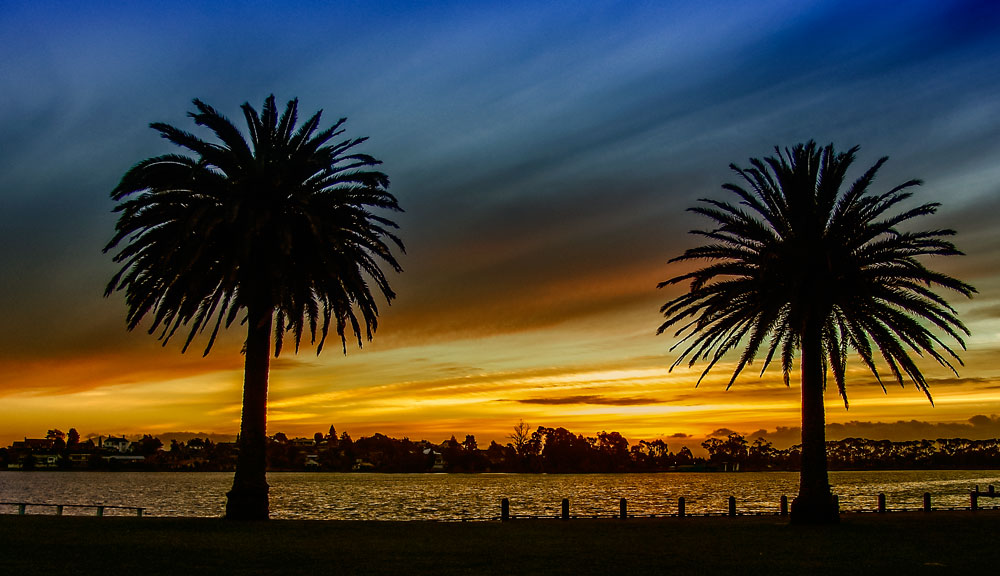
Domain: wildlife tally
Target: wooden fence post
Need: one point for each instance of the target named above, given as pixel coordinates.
(881, 502)
(22, 509)
(59, 510)
(100, 510)
(504, 510)
(784, 506)
(565, 509)
(927, 501)
(975, 501)
(623, 509)
(680, 507)
(732, 506)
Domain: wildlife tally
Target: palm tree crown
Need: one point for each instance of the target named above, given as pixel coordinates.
(798, 264)
(794, 249)
(282, 221)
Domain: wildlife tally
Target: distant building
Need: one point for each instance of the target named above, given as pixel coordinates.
(34, 444)
(438, 459)
(45, 460)
(117, 444)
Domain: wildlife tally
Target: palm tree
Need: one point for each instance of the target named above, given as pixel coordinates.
(276, 232)
(799, 265)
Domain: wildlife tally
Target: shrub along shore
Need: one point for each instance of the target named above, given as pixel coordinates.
(908, 543)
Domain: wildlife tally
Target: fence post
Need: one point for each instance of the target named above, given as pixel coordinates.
(680, 507)
(732, 506)
(836, 503)
(927, 501)
(59, 509)
(975, 501)
(22, 509)
(990, 489)
(623, 509)
(138, 512)
(100, 510)
(881, 502)
(504, 510)
(784, 506)
(565, 509)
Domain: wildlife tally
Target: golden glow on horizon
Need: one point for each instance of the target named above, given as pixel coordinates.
(600, 371)
(474, 386)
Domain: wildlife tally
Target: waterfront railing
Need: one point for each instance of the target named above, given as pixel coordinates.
(506, 514)
(22, 507)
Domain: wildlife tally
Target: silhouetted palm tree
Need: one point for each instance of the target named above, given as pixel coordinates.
(798, 264)
(275, 232)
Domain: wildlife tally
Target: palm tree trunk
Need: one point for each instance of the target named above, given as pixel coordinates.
(248, 498)
(814, 504)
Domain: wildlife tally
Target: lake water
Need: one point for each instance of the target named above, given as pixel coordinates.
(477, 496)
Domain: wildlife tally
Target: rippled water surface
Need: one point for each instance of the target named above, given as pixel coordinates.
(477, 496)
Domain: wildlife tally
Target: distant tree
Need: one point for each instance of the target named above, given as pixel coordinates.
(148, 445)
(451, 452)
(613, 451)
(653, 455)
(470, 444)
(563, 451)
(520, 437)
(279, 232)
(346, 447)
(72, 437)
(684, 456)
(797, 264)
(760, 453)
(55, 434)
(502, 458)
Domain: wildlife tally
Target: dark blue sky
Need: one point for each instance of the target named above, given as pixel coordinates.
(544, 151)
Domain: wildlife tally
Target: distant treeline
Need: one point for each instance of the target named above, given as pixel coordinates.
(548, 450)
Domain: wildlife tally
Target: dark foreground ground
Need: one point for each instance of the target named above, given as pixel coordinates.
(903, 544)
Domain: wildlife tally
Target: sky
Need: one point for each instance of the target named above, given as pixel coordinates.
(544, 153)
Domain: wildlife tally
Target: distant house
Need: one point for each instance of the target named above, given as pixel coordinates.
(79, 459)
(45, 460)
(124, 459)
(34, 444)
(438, 465)
(33, 452)
(116, 444)
(362, 465)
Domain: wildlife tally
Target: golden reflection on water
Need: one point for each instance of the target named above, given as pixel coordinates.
(477, 496)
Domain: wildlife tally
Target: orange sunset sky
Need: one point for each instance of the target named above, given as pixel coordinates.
(544, 154)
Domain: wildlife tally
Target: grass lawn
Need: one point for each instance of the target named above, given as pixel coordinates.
(899, 543)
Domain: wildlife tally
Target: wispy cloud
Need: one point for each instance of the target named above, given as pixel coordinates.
(591, 399)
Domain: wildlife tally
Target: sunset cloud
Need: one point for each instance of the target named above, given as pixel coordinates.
(599, 400)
